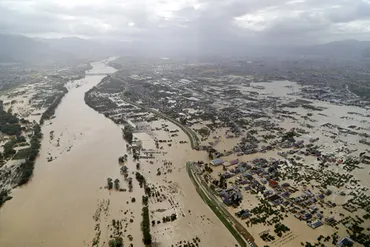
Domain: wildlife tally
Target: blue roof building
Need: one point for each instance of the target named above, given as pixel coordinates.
(217, 162)
(315, 224)
(346, 241)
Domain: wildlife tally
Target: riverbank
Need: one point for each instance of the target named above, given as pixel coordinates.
(24, 109)
(59, 206)
(164, 151)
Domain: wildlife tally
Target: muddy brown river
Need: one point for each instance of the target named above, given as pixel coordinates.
(62, 204)
(56, 207)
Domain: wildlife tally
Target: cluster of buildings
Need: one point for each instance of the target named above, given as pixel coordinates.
(261, 176)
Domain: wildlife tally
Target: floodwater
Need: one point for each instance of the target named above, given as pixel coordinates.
(56, 207)
(338, 115)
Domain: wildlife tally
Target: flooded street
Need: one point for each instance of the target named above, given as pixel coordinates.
(56, 207)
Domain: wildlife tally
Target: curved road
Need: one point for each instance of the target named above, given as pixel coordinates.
(235, 228)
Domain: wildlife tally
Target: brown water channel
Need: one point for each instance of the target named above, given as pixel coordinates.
(56, 207)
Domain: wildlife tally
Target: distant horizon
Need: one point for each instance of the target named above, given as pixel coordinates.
(188, 22)
(132, 41)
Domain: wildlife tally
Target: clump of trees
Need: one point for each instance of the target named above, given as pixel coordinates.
(4, 196)
(116, 242)
(267, 237)
(280, 229)
(49, 113)
(208, 169)
(9, 124)
(204, 132)
(145, 226)
(26, 168)
(130, 186)
(147, 190)
(123, 159)
(128, 133)
(359, 235)
(170, 218)
(110, 183)
(145, 200)
(9, 148)
(140, 178)
(367, 216)
(116, 184)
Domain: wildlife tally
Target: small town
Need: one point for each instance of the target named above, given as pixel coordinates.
(184, 123)
(278, 159)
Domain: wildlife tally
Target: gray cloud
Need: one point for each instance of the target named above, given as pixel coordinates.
(190, 21)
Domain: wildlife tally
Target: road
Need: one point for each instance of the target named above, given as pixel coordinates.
(235, 228)
(192, 136)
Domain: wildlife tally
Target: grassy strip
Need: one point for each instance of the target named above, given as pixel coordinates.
(215, 209)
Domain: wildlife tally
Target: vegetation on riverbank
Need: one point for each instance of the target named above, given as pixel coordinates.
(145, 223)
(127, 132)
(49, 113)
(25, 170)
(9, 124)
(4, 196)
(145, 227)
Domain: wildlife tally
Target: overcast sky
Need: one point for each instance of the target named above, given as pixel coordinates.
(261, 21)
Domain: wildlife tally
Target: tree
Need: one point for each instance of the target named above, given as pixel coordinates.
(110, 183)
(147, 190)
(116, 242)
(130, 184)
(116, 184)
(222, 181)
(128, 133)
(8, 149)
(145, 226)
(21, 139)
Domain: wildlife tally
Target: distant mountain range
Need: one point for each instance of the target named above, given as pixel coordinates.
(344, 48)
(17, 48)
